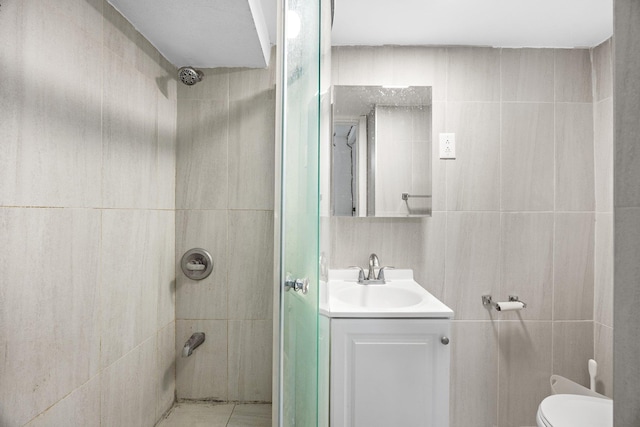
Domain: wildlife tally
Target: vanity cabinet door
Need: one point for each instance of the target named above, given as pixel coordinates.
(389, 372)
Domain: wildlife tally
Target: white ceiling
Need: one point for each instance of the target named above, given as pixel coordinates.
(238, 33)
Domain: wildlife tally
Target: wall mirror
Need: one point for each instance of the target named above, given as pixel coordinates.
(381, 151)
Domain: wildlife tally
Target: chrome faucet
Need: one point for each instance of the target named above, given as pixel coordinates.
(373, 263)
(192, 343)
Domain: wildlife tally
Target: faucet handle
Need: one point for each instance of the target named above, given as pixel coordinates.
(360, 273)
(381, 271)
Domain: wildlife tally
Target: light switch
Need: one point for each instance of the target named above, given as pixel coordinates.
(447, 145)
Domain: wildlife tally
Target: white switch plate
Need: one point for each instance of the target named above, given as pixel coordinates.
(447, 145)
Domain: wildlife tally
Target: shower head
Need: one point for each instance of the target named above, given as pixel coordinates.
(189, 75)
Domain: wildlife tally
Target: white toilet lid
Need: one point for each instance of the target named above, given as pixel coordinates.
(570, 410)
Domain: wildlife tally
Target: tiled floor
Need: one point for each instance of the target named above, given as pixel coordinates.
(217, 415)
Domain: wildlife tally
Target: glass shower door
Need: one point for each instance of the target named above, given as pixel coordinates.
(298, 300)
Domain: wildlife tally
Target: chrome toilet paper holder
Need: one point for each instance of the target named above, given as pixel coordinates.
(488, 301)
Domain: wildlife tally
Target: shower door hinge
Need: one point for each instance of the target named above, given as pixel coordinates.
(298, 285)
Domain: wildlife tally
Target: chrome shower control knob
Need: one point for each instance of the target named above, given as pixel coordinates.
(444, 340)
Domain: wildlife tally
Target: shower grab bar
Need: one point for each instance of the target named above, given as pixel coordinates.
(405, 196)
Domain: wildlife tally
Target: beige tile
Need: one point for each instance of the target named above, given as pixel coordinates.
(474, 392)
(603, 154)
(526, 158)
(250, 264)
(252, 151)
(473, 74)
(130, 137)
(246, 84)
(574, 157)
(207, 298)
(527, 75)
(198, 415)
(525, 368)
(251, 416)
(438, 166)
(250, 350)
(164, 274)
(472, 262)
(421, 66)
(202, 164)
(603, 270)
(603, 345)
(122, 39)
(473, 178)
(527, 264)
(573, 266)
(123, 404)
(213, 87)
(51, 125)
(572, 348)
(363, 65)
(136, 262)
(80, 408)
(203, 375)
(167, 142)
(573, 75)
(49, 264)
(166, 369)
(403, 243)
(602, 70)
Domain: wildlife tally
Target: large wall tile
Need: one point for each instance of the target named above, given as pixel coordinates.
(364, 66)
(603, 354)
(203, 375)
(527, 75)
(572, 348)
(130, 137)
(51, 125)
(439, 167)
(527, 157)
(136, 262)
(79, 408)
(166, 369)
(167, 141)
(525, 368)
(472, 262)
(573, 75)
(202, 155)
(474, 345)
(473, 178)
(421, 66)
(573, 266)
(251, 152)
(527, 264)
(414, 243)
(250, 353)
(128, 388)
(49, 264)
(574, 157)
(602, 70)
(603, 154)
(603, 270)
(207, 298)
(250, 272)
(246, 84)
(473, 74)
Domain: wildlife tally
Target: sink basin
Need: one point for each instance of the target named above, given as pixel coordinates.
(400, 297)
(378, 296)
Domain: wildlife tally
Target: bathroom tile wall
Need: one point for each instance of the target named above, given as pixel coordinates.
(515, 213)
(626, 214)
(87, 173)
(224, 201)
(602, 71)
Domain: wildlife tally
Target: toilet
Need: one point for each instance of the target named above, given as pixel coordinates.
(573, 410)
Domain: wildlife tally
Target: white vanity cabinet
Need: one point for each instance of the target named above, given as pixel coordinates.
(389, 372)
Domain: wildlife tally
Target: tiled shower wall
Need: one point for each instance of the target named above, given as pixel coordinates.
(513, 214)
(224, 200)
(87, 172)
